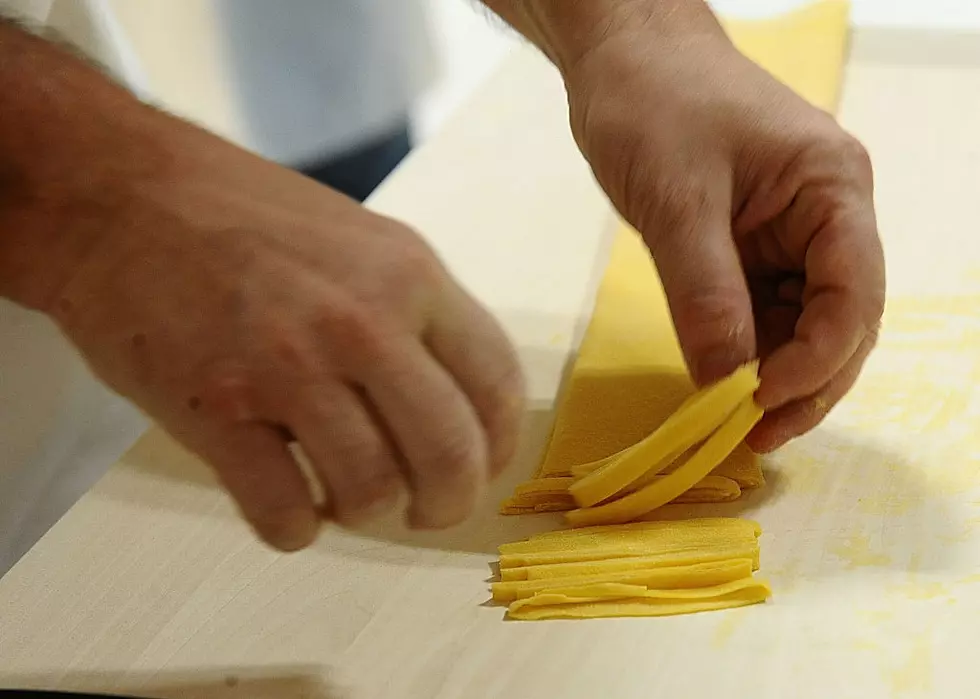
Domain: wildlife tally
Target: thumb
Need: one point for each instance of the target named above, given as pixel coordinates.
(706, 289)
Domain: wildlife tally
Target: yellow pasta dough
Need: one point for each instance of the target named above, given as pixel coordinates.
(675, 549)
(666, 578)
(707, 490)
(611, 544)
(544, 485)
(705, 531)
(509, 508)
(694, 420)
(745, 550)
(742, 466)
(576, 604)
(714, 450)
(543, 498)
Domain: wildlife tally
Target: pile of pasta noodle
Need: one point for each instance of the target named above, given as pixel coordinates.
(639, 569)
(613, 565)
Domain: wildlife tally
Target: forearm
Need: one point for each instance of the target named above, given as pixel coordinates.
(68, 138)
(566, 30)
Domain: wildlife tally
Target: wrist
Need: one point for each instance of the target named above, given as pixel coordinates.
(567, 31)
(72, 145)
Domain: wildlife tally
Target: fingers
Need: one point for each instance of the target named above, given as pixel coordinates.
(827, 333)
(254, 464)
(435, 428)
(843, 301)
(469, 343)
(706, 289)
(800, 416)
(774, 327)
(349, 453)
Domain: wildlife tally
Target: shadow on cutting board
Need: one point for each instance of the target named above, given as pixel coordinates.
(831, 503)
(835, 505)
(191, 487)
(228, 683)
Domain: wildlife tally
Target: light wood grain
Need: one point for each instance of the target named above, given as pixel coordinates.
(151, 585)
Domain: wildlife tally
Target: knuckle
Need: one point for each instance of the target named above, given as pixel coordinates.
(709, 314)
(458, 456)
(354, 330)
(370, 493)
(416, 262)
(844, 158)
(227, 394)
(506, 398)
(856, 155)
(455, 459)
(292, 352)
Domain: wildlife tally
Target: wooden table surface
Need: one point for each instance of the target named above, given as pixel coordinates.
(151, 585)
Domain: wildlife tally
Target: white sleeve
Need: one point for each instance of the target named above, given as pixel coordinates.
(60, 429)
(33, 10)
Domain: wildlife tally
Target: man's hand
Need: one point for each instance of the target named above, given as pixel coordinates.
(757, 207)
(236, 301)
(242, 305)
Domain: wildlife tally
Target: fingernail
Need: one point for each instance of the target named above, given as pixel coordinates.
(377, 510)
(762, 439)
(429, 518)
(291, 530)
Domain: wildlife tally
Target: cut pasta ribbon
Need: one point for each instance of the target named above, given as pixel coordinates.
(585, 603)
(667, 578)
(698, 417)
(660, 492)
(542, 495)
(636, 539)
(631, 563)
(637, 569)
(656, 470)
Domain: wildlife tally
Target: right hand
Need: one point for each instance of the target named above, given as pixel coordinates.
(239, 304)
(757, 208)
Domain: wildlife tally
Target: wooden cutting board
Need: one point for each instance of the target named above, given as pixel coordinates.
(151, 586)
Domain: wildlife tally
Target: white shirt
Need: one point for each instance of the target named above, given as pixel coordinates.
(294, 81)
(325, 75)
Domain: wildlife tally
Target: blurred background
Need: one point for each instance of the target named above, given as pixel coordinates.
(340, 89)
